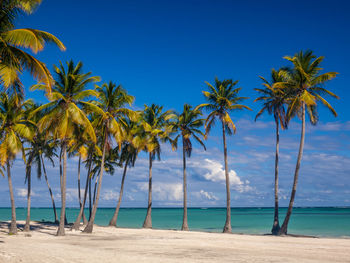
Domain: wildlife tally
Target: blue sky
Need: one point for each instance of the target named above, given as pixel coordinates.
(163, 51)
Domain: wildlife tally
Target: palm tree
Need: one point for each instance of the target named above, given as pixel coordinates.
(111, 160)
(64, 111)
(79, 148)
(153, 129)
(92, 149)
(187, 124)
(273, 100)
(128, 157)
(14, 127)
(109, 119)
(14, 60)
(223, 98)
(305, 87)
(38, 147)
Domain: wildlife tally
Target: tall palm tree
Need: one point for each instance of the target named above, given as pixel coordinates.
(305, 85)
(112, 109)
(153, 129)
(92, 149)
(187, 124)
(15, 60)
(39, 146)
(78, 147)
(64, 111)
(222, 98)
(128, 156)
(273, 100)
(14, 128)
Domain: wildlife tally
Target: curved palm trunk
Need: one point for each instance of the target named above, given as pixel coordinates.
(284, 227)
(60, 231)
(79, 191)
(276, 224)
(50, 191)
(13, 225)
(114, 219)
(89, 227)
(27, 225)
(227, 227)
(90, 203)
(81, 212)
(95, 187)
(184, 220)
(148, 220)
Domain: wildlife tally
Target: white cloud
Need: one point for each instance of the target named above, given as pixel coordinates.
(164, 191)
(109, 195)
(208, 195)
(216, 173)
(22, 192)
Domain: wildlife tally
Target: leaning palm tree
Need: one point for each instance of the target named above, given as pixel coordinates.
(305, 86)
(14, 128)
(38, 148)
(222, 98)
(187, 125)
(14, 60)
(109, 119)
(128, 156)
(78, 147)
(111, 161)
(92, 149)
(153, 129)
(273, 100)
(63, 112)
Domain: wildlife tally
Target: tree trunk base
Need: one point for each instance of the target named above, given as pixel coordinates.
(275, 229)
(185, 228)
(26, 228)
(282, 231)
(227, 229)
(148, 222)
(60, 231)
(88, 229)
(13, 228)
(112, 223)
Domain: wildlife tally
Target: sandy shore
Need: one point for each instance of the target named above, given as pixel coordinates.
(146, 245)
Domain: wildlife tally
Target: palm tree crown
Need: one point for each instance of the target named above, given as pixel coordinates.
(305, 85)
(222, 98)
(13, 59)
(273, 98)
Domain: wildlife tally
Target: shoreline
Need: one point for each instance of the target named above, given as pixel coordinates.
(111, 244)
(21, 223)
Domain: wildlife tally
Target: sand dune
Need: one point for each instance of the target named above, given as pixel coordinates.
(145, 245)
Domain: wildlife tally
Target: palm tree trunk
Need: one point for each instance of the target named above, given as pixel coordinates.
(114, 219)
(60, 231)
(13, 226)
(90, 203)
(227, 227)
(95, 187)
(50, 191)
(89, 227)
(81, 212)
(284, 227)
(148, 220)
(79, 192)
(27, 225)
(276, 224)
(184, 221)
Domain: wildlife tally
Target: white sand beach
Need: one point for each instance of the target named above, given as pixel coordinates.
(108, 244)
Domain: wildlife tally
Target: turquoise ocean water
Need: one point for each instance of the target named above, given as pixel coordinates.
(325, 221)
